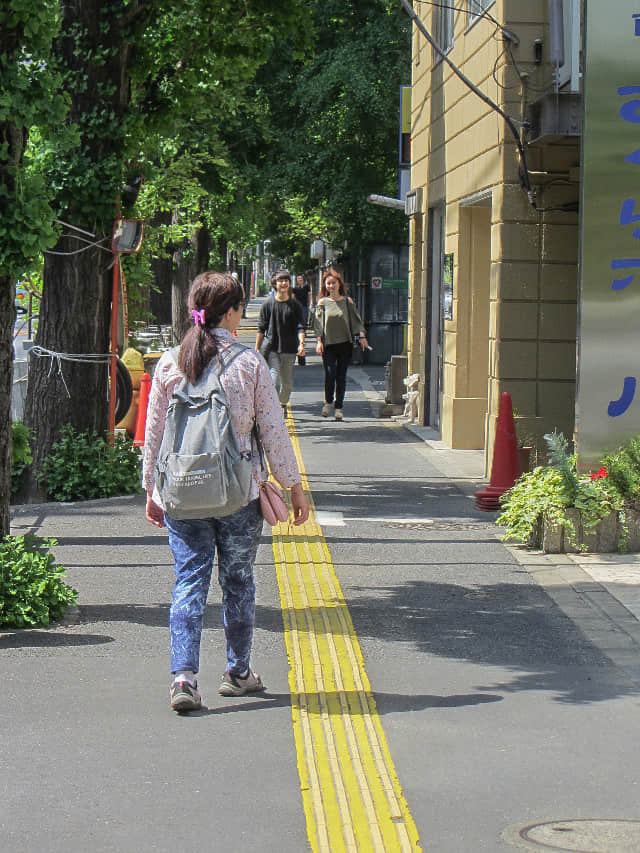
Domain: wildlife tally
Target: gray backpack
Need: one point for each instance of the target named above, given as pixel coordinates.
(200, 471)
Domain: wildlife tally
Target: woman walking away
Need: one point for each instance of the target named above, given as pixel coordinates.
(216, 302)
(336, 323)
(281, 322)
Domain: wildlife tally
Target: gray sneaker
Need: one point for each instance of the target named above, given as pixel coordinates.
(184, 696)
(232, 685)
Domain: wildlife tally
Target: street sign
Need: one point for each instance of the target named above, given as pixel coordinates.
(608, 369)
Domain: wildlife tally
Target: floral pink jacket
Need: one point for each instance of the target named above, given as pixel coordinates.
(252, 396)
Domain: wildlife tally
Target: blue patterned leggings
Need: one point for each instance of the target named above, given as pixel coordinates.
(194, 544)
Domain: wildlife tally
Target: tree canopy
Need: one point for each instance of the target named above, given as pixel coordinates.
(29, 97)
(335, 117)
(246, 121)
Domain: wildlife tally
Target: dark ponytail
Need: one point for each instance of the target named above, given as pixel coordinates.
(210, 297)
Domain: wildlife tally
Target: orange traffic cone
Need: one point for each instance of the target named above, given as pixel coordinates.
(505, 468)
(143, 402)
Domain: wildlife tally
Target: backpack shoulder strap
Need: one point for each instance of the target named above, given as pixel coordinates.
(220, 363)
(229, 354)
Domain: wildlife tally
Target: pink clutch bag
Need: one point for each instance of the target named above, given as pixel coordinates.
(272, 504)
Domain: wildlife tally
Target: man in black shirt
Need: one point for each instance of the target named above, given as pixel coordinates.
(302, 292)
(281, 322)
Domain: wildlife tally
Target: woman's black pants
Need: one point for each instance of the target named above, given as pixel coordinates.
(336, 359)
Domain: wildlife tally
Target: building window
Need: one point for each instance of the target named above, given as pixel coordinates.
(477, 7)
(444, 26)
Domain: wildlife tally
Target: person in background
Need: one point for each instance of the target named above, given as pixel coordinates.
(281, 317)
(302, 292)
(244, 304)
(215, 303)
(336, 321)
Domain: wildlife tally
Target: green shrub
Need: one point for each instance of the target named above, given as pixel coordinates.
(84, 466)
(21, 456)
(548, 492)
(623, 471)
(536, 494)
(32, 591)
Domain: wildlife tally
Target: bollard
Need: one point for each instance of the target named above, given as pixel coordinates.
(141, 420)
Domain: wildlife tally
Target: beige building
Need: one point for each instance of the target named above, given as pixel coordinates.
(493, 276)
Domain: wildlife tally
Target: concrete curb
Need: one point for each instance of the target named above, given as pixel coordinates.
(22, 509)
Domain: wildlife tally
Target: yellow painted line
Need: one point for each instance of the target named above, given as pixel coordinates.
(351, 794)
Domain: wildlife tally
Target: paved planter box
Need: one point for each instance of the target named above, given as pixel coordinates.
(607, 537)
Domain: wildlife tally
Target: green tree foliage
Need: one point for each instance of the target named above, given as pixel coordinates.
(29, 96)
(199, 124)
(335, 115)
(245, 120)
(151, 87)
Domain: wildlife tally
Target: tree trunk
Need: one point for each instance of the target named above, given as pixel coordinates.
(188, 261)
(74, 319)
(160, 295)
(14, 138)
(74, 313)
(7, 321)
(183, 275)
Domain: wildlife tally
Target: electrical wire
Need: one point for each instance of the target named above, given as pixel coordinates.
(482, 14)
(525, 83)
(523, 171)
(83, 249)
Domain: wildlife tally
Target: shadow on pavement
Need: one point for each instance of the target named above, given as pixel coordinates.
(386, 703)
(513, 627)
(26, 638)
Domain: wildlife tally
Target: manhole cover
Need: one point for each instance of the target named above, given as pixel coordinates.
(482, 595)
(585, 836)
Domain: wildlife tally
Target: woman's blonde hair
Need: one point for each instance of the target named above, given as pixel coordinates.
(331, 273)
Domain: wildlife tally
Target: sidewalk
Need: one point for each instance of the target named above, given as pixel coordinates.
(617, 574)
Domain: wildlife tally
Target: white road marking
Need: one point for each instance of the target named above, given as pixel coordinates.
(338, 519)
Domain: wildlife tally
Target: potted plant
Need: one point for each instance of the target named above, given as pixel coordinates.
(556, 509)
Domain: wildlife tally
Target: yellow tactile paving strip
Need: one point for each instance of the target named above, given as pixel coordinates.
(351, 794)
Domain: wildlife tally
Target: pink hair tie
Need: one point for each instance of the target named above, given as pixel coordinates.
(198, 316)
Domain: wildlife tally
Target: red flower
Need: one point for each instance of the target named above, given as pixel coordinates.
(599, 474)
